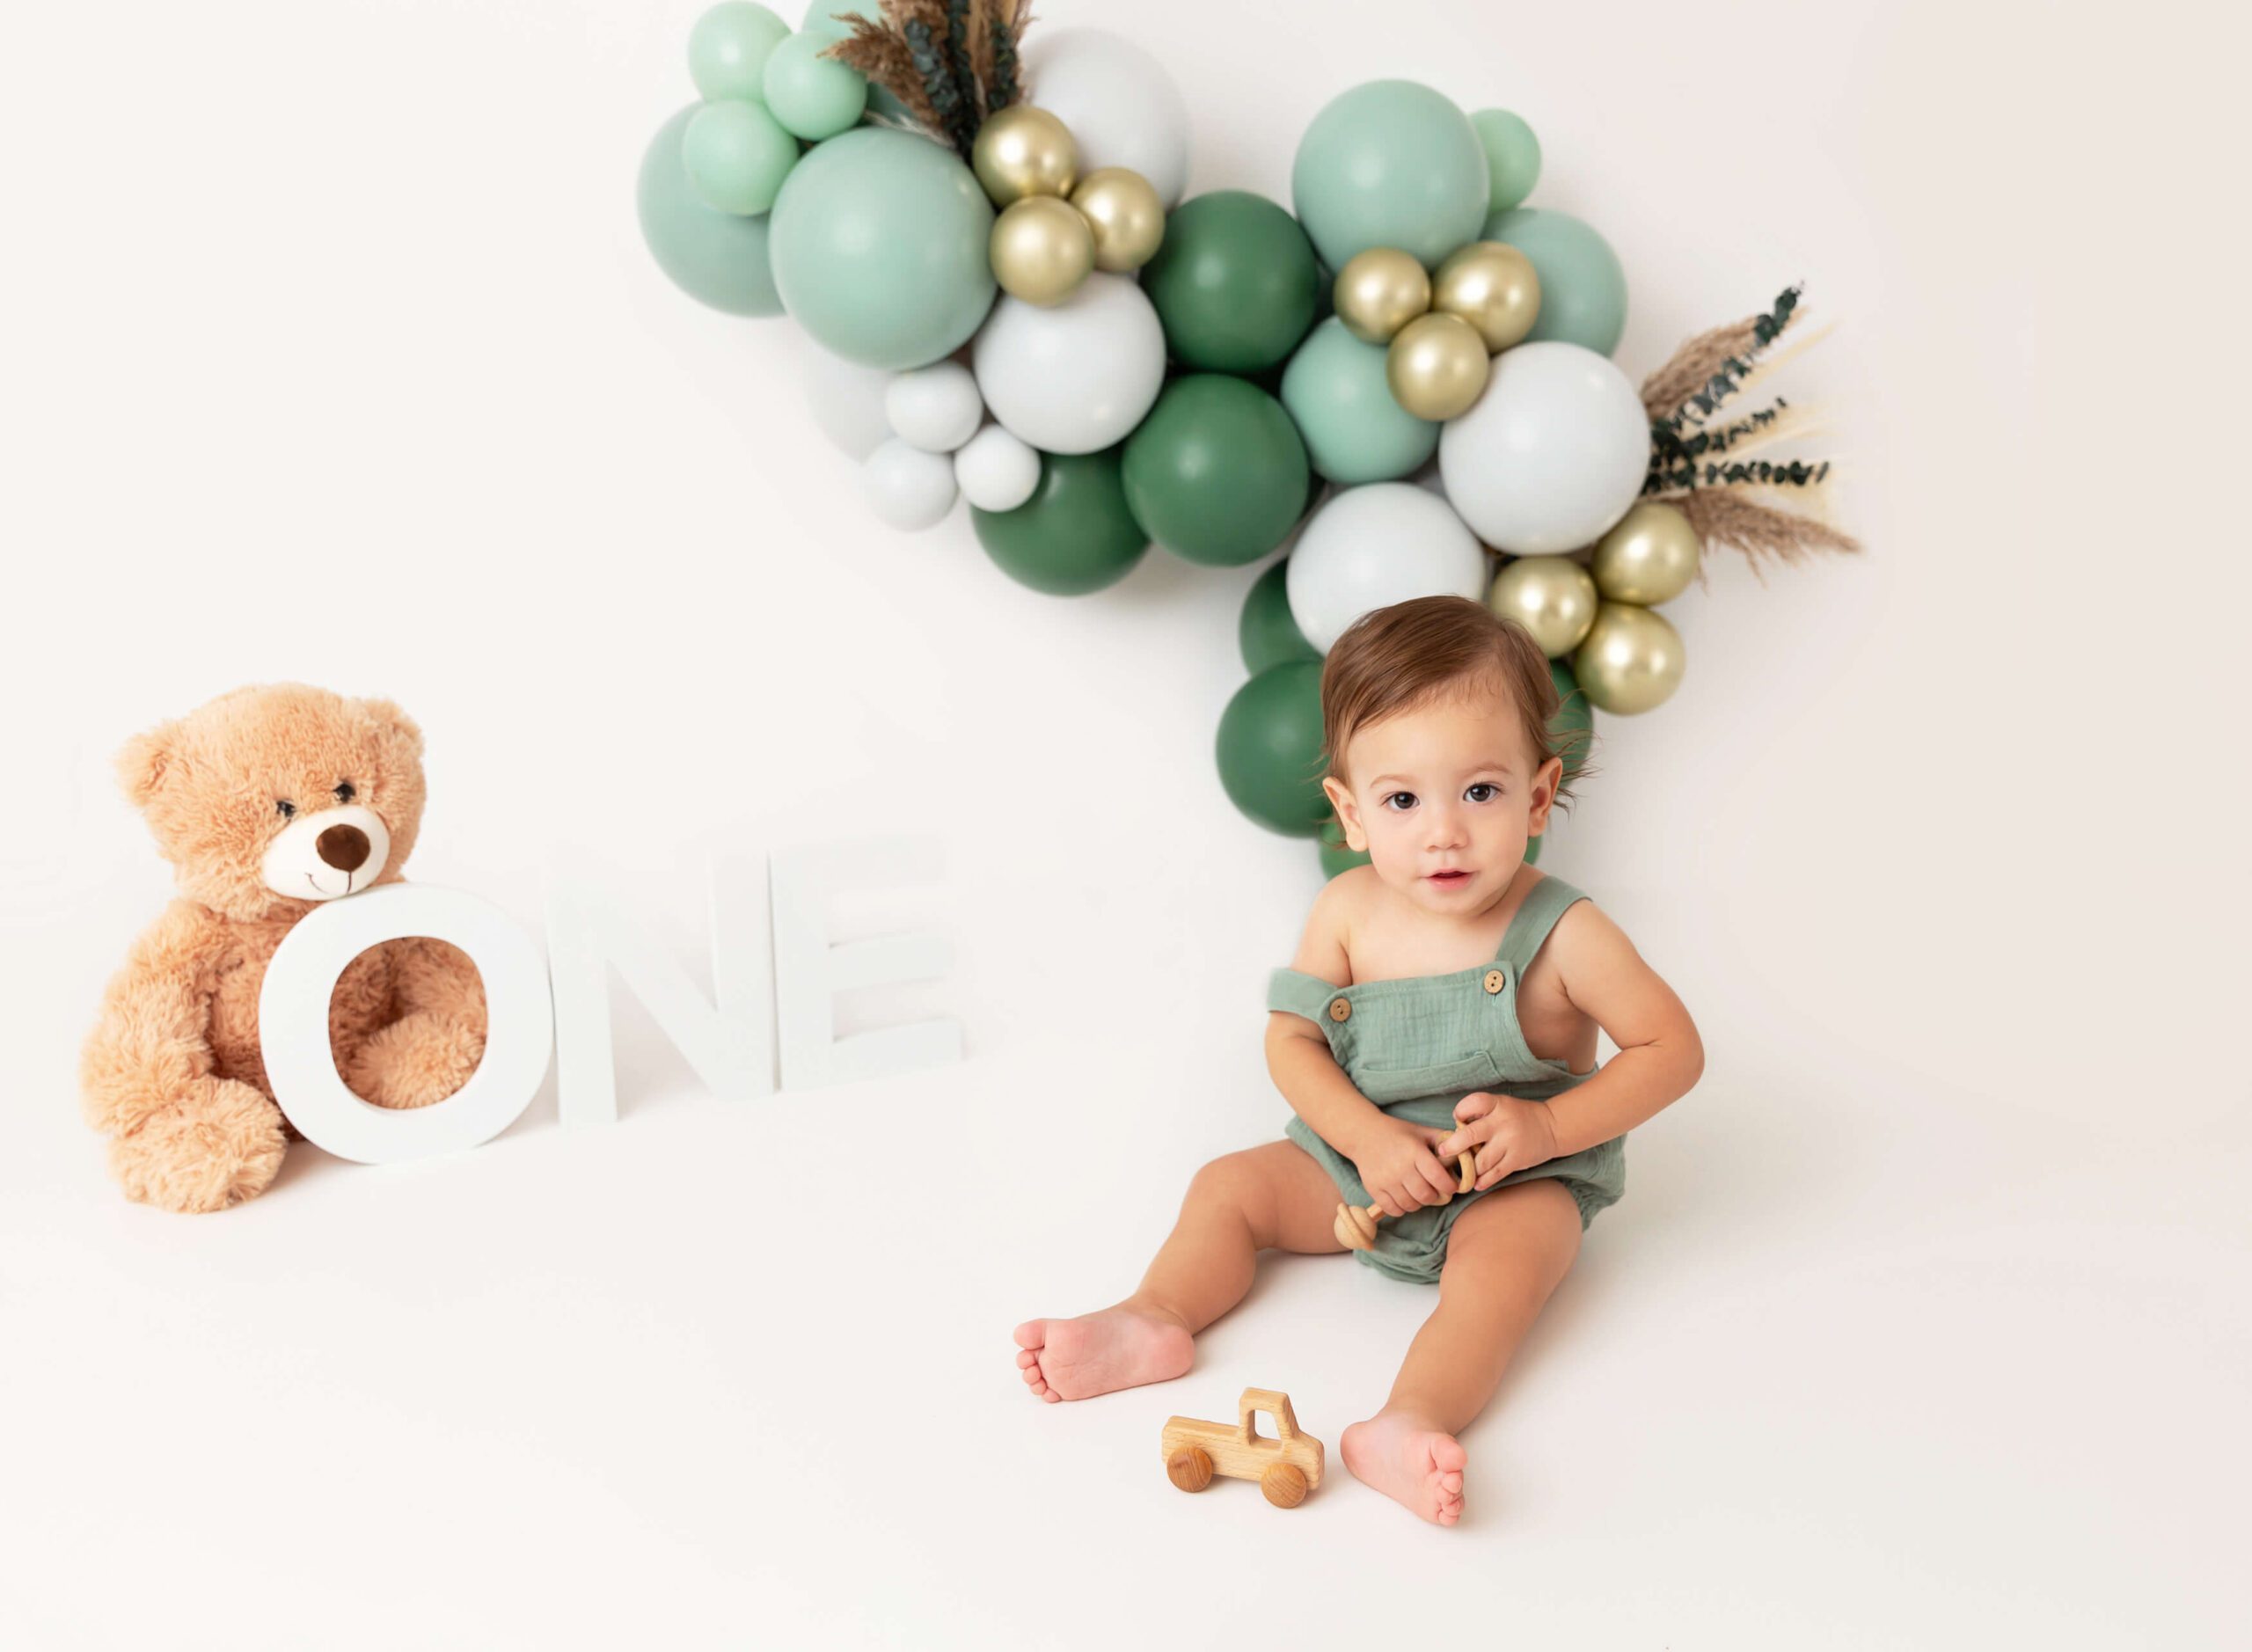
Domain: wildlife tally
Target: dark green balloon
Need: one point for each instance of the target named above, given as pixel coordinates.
(1216, 472)
(1235, 282)
(1335, 857)
(1268, 633)
(715, 257)
(1270, 749)
(1074, 535)
(1573, 726)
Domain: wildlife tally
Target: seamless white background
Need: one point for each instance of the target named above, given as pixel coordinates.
(331, 353)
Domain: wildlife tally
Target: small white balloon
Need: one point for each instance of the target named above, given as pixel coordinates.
(907, 487)
(1073, 377)
(1551, 455)
(936, 407)
(1120, 105)
(846, 398)
(1372, 546)
(996, 471)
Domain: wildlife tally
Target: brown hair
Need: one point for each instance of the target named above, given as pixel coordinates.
(1413, 653)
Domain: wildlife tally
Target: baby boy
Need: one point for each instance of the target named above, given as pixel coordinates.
(1445, 1000)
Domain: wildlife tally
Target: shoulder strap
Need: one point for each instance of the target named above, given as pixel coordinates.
(1543, 906)
(1300, 994)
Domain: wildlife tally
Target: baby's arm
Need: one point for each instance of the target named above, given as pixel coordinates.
(1660, 1056)
(1394, 1157)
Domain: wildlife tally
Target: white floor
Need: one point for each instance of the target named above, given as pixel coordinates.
(1826, 1377)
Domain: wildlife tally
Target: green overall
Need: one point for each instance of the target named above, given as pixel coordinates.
(1416, 1045)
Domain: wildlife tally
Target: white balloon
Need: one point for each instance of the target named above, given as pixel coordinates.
(1073, 377)
(1551, 455)
(907, 487)
(935, 407)
(846, 398)
(1120, 105)
(1372, 546)
(996, 471)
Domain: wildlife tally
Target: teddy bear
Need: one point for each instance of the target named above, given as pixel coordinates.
(267, 801)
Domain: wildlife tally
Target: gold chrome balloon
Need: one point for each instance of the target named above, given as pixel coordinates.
(1493, 286)
(1041, 249)
(1022, 151)
(1381, 291)
(1123, 210)
(1552, 597)
(1436, 367)
(1650, 558)
(1631, 661)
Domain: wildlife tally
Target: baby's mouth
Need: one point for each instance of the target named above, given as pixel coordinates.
(1449, 879)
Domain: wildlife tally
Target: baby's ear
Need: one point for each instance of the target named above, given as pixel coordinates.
(144, 760)
(396, 723)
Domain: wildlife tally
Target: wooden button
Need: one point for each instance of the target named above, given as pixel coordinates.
(1339, 1009)
(1496, 980)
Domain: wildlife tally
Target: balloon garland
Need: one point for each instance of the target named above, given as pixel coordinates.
(1409, 369)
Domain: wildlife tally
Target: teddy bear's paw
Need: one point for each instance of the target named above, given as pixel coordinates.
(219, 1144)
(419, 1059)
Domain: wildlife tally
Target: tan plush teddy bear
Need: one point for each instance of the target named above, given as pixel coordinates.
(267, 801)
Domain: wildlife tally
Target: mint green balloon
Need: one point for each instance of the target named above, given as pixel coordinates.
(826, 18)
(1389, 163)
(879, 248)
(1583, 289)
(813, 95)
(1267, 632)
(1512, 157)
(1355, 429)
(716, 257)
(737, 155)
(728, 48)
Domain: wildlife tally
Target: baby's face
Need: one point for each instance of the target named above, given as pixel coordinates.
(1447, 788)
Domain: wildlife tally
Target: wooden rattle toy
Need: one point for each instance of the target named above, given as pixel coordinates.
(1286, 1467)
(1355, 1228)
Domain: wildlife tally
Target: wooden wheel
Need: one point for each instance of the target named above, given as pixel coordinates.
(1284, 1485)
(1190, 1468)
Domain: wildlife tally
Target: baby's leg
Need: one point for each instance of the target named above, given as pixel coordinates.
(1506, 1254)
(1237, 1206)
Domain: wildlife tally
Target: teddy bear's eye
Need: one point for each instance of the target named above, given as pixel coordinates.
(284, 808)
(346, 790)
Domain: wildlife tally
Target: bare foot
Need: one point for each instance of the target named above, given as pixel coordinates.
(1410, 1462)
(1118, 1347)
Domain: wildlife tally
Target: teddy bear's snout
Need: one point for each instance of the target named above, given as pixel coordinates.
(343, 847)
(322, 856)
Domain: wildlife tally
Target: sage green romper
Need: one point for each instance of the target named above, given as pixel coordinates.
(1416, 1045)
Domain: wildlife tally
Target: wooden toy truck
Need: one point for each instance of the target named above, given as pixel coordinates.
(1286, 1467)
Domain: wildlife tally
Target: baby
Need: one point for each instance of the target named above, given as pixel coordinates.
(1445, 1000)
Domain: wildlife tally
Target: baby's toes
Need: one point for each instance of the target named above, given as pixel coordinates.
(1027, 1358)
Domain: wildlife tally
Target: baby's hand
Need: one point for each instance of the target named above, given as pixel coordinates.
(1507, 1133)
(1399, 1170)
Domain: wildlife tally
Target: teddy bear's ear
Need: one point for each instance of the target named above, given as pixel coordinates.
(143, 763)
(388, 715)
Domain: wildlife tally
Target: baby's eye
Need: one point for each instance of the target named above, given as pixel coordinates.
(284, 808)
(1482, 786)
(346, 790)
(1410, 796)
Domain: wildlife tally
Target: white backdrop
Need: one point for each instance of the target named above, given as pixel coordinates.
(332, 354)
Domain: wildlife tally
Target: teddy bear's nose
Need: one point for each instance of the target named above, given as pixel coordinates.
(343, 847)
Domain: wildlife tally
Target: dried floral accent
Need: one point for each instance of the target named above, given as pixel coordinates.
(949, 63)
(1731, 516)
(1700, 466)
